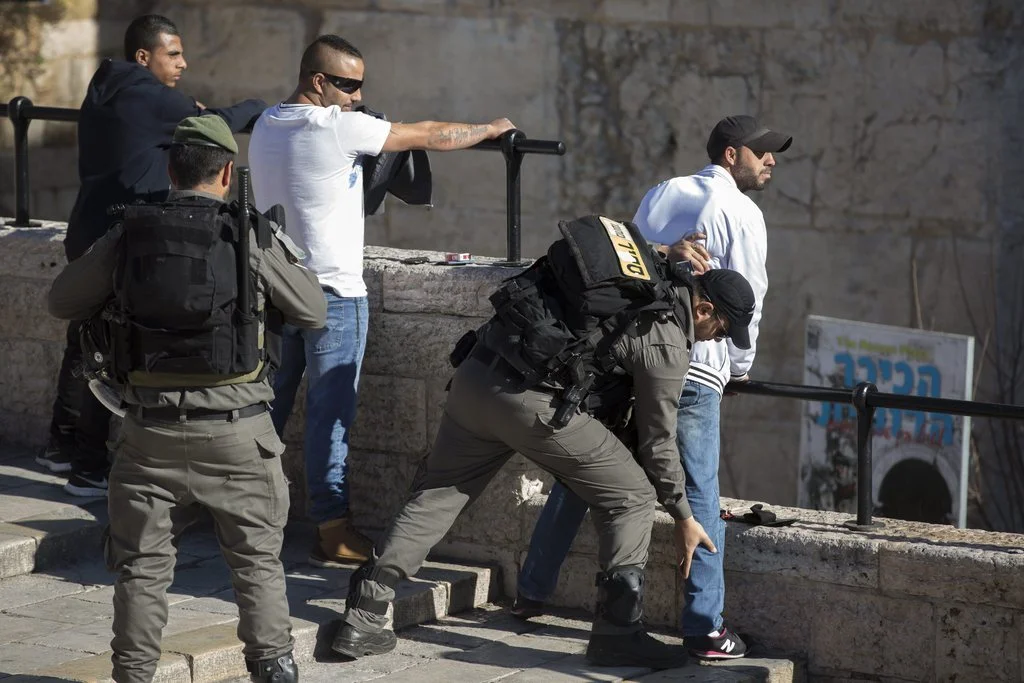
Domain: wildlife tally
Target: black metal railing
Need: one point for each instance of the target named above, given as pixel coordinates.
(513, 145)
(22, 112)
(865, 398)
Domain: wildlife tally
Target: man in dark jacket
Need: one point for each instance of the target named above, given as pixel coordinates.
(124, 133)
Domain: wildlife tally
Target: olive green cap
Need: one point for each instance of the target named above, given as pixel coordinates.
(209, 131)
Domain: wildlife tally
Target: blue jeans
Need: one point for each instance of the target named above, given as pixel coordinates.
(331, 357)
(699, 446)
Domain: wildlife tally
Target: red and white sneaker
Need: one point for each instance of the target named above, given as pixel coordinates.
(721, 645)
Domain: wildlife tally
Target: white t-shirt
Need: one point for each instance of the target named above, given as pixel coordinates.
(309, 160)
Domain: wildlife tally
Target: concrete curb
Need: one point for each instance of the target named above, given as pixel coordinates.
(213, 653)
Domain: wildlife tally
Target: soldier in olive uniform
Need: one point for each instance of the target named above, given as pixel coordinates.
(600, 324)
(195, 326)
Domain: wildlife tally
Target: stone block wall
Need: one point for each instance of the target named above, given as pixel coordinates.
(31, 342)
(907, 602)
(901, 182)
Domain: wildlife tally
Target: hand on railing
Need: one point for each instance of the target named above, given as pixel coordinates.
(511, 142)
(520, 144)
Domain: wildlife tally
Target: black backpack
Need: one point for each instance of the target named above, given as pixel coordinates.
(187, 298)
(557, 321)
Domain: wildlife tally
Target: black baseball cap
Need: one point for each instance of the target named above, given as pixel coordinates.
(745, 131)
(733, 299)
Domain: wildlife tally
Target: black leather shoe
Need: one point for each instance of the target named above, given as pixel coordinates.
(635, 649)
(352, 642)
(279, 670)
(525, 608)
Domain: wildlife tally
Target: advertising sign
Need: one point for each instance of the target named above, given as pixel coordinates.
(920, 458)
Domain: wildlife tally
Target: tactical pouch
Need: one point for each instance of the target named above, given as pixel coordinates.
(462, 349)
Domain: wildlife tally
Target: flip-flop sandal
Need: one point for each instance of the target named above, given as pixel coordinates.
(759, 516)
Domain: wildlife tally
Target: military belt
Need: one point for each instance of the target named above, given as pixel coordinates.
(171, 414)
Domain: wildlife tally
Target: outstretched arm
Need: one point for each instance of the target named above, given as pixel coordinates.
(441, 137)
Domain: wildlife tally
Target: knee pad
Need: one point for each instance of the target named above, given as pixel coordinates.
(369, 571)
(620, 595)
(278, 670)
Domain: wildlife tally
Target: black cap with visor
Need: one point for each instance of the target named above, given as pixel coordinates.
(745, 131)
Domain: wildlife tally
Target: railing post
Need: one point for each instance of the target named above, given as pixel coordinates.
(19, 119)
(865, 417)
(513, 195)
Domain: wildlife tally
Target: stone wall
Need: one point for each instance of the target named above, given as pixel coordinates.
(902, 180)
(908, 602)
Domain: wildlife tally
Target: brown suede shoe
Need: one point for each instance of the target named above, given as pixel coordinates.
(339, 544)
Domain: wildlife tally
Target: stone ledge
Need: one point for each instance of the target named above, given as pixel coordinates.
(902, 558)
(851, 602)
(213, 653)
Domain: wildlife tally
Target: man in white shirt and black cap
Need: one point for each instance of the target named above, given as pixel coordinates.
(706, 210)
(712, 204)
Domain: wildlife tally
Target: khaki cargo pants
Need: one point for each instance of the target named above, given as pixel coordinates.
(484, 423)
(162, 473)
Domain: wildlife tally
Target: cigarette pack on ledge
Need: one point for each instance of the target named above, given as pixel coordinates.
(457, 257)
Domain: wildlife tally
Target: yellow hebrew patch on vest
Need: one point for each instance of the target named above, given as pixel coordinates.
(631, 263)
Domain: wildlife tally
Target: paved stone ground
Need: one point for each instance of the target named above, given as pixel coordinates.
(488, 644)
(55, 610)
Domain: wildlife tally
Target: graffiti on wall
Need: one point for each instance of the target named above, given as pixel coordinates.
(841, 354)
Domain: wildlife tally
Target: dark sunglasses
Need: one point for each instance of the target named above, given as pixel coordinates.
(345, 85)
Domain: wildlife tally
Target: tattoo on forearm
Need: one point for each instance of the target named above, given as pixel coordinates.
(456, 136)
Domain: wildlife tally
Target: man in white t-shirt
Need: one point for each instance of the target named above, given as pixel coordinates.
(306, 154)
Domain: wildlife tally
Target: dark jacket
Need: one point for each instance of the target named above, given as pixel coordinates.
(124, 134)
(406, 175)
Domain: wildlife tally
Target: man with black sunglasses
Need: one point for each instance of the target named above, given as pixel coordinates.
(306, 154)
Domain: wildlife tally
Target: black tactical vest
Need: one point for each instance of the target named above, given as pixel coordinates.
(187, 301)
(556, 322)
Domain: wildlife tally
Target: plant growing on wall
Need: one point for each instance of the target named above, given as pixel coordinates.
(21, 37)
(996, 493)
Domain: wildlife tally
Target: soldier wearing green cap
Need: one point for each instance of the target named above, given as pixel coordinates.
(205, 131)
(195, 296)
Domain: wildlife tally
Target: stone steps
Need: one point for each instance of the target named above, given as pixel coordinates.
(41, 526)
(210, 650)
(487, 645)
(56, 595)
(55, 611)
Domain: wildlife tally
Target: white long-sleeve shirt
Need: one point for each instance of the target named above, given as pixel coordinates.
(709, 202)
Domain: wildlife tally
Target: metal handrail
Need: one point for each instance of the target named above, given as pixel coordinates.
(513, 145)
(865, 398)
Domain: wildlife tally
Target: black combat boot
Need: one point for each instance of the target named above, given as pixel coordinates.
(620, 607)
(278, 670)
(355, 642)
